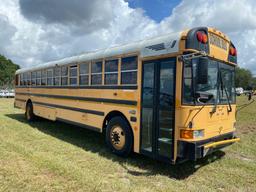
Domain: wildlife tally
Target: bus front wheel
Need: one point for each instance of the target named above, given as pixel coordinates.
(29, 114)
(119, 136)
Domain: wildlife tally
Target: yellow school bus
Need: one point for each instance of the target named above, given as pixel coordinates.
(171, 97)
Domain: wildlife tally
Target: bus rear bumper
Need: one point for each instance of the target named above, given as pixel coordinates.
(200, 149)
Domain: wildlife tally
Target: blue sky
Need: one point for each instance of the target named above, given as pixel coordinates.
(155, 9)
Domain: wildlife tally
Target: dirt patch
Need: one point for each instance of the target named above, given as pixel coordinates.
(246, 129)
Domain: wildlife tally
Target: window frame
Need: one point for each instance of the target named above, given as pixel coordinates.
(129, 70)
(64, 76)
(38, 78)
(73, 77)
(56, 76)
(96, 73)
(106, 73)
(84, 74)
(48, 78)
(33, 79)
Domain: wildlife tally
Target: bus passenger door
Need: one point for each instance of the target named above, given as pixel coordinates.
(158, 106)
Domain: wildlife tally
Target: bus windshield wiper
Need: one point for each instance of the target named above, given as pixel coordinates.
(226, 92)
(217, 95)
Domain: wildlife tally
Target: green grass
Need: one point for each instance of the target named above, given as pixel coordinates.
(52, 156)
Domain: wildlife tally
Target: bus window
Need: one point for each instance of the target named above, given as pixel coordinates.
(96, 75)
(73, 75)
(111, 72)
(49, 77)
(28, 78)
(64, 75)
(33, 79)
(129, 69)
(38, 78)
(17, 80)
(84, 74)
(43, 81)
(21, 79)
(57, 76)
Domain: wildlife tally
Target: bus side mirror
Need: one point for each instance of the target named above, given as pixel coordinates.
(202, 70)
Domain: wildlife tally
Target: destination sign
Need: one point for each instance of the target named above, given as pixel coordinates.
(218, 41)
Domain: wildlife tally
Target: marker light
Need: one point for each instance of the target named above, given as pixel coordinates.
(191, 134)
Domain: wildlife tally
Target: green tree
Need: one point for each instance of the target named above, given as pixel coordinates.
(7, 72)
(244, 78)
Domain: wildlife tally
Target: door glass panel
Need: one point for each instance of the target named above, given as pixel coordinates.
(166, 108)
(147, 106)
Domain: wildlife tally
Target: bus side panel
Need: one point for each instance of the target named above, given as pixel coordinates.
(45, 112)
(82, 112)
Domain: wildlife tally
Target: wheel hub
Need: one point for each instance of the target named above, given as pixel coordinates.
(117, 137)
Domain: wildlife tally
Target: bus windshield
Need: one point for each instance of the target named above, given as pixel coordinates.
(220, 83)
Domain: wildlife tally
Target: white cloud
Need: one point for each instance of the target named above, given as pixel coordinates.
(39, 31)
(6, 33)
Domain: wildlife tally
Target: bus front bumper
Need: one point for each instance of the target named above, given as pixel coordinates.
(199, 149)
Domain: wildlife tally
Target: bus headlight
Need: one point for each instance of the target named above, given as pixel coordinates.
(191, 134)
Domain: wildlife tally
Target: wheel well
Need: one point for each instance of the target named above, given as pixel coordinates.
(112, 114)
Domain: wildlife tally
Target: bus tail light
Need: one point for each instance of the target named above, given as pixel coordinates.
(232, 51)
(202, 37)
(199, 36)
(205, 38)
(191, 134)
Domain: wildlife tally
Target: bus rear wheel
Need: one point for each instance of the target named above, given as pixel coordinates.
(29, 114)
(119, 136)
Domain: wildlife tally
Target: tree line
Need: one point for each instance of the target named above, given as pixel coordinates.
(7, 72)
(245, 79)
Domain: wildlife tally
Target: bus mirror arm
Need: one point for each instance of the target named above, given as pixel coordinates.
(190, 56)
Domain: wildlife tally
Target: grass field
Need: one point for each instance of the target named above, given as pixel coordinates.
(53, 156)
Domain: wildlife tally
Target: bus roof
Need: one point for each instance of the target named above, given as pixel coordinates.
(150, 47)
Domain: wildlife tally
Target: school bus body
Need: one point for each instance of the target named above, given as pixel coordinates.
(94, 106)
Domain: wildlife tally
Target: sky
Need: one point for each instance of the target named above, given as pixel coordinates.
(37, 31)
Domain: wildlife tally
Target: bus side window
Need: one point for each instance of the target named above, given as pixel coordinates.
(43, 80)
(84, 74)
(50, 77)
(57, 76)
(17, 80)
(33, 79)
(129, 68)
(21, 79)
(111, 72)
(73, 75)
(64, 75)
(38, 78)
(96, 75)
(28, 78)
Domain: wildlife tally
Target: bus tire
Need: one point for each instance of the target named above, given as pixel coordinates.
(119, 137)
(29, 114)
